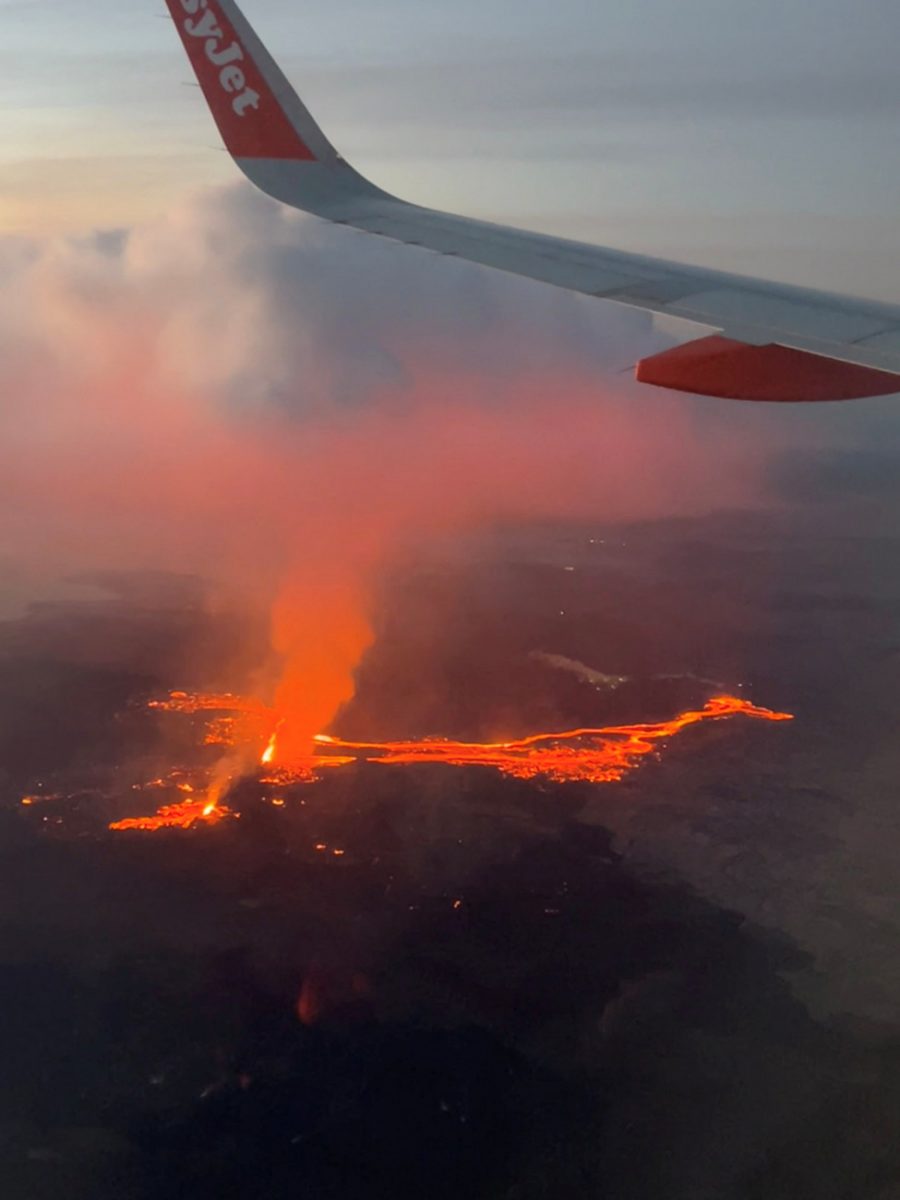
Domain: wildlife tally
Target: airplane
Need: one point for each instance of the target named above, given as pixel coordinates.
(740, 338)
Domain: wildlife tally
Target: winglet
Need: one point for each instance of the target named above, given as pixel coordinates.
(280, 148)
(264, 124)
(731, 370)
(258, 113)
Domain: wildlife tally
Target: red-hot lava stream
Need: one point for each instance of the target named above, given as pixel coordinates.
(601, 755)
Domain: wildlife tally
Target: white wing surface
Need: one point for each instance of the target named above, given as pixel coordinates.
(742, 338)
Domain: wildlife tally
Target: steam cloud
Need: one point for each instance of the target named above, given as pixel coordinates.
(282, 406)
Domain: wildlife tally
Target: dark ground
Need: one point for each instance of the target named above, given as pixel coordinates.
(500, 989)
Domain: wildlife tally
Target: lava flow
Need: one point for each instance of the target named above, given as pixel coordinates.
(176, 816)
(590, 755)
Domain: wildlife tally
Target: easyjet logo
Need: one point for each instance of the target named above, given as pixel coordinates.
(201, 23)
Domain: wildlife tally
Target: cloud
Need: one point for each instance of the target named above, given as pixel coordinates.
(264, 400)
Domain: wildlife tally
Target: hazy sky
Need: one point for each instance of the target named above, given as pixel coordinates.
(758, 137)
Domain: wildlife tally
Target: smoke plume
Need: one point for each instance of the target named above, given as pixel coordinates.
(282, 407)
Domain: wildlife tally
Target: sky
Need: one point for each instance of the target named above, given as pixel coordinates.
(759, 138)
(164, 327)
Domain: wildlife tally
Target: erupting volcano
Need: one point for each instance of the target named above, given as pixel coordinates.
(249, 727)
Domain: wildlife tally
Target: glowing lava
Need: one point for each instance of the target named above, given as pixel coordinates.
(177, 816)
(268, 755)
(601, 755)
(590, 755)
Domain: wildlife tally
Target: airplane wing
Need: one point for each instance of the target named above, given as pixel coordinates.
(741, 338)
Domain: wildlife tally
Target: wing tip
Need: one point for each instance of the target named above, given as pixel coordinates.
(242, 85)
(732, 370)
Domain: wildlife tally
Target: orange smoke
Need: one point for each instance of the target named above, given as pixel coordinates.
(320, 627)
(211, 397)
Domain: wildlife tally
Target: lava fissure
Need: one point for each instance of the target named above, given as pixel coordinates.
(588, 755)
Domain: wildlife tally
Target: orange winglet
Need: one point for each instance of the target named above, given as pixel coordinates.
(720, 366)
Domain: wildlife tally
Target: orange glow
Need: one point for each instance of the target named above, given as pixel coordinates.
(591, 755)
(319, 626)
(603, 754)
(268, 755)
(309, 767)
(39, 798)
(311, 1001)
(177, 816)
(195, 702)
